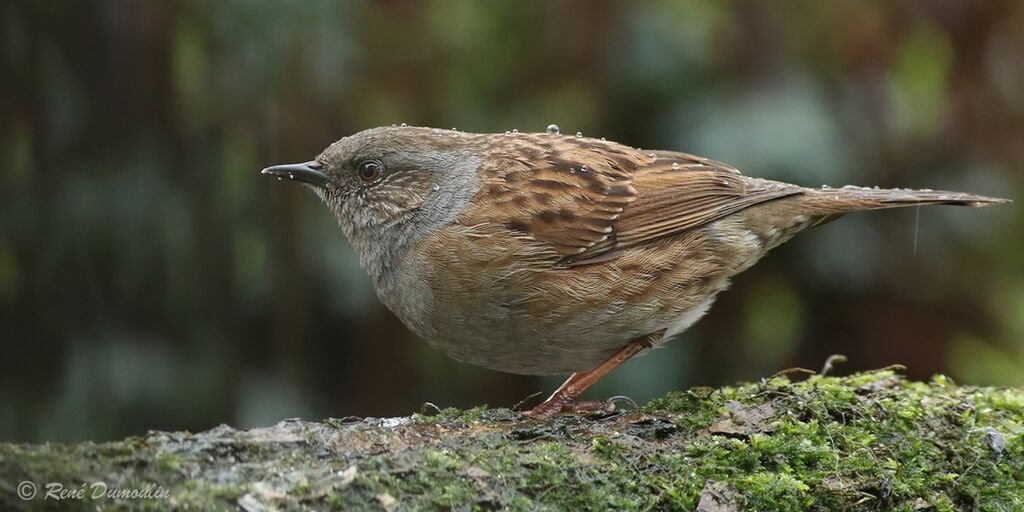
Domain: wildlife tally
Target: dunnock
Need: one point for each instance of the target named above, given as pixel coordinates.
(543, 253)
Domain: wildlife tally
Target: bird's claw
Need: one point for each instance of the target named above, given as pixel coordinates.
(558, 405)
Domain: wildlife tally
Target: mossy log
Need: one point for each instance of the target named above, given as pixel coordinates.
(870, 441)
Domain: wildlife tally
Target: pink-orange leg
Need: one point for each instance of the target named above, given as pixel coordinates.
(564, 398)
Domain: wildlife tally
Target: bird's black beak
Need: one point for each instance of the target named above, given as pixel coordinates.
(309, 172)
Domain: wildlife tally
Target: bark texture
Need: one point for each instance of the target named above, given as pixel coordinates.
(870, 441)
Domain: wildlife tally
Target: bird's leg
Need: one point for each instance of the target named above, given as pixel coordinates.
(564, 398)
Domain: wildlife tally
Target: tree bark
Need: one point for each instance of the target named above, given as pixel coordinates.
(870, 441)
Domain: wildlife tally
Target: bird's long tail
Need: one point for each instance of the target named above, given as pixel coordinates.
(777, 221)
(827, 204)
(830, 201)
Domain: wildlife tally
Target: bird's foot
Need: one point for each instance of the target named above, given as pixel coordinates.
(561, 404)
(563, 400)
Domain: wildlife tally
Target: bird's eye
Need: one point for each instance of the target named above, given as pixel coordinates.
(369, 170)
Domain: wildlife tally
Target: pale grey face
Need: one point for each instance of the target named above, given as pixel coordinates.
(391, 184)
(379, 177)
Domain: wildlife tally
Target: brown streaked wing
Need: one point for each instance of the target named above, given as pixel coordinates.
(591, 199)
(674, 199)
(563, 191)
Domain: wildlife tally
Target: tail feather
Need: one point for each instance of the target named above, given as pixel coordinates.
(848, 199)
(778, 220)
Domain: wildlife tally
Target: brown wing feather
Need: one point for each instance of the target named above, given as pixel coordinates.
(591, 199)
(566, 195)
(672, 200)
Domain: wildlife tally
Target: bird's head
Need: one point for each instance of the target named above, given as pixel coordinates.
(391, 178)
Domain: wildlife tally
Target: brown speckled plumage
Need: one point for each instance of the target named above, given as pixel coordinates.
(544, 253)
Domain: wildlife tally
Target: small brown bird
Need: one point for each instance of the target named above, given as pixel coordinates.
(542, 253)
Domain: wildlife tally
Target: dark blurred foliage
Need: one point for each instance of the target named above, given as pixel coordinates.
(151, 279)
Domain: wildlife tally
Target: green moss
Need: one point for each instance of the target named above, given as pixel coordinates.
(453, 415)
(869, 441)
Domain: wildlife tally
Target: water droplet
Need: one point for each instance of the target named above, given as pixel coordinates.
(403, 125)
(436, 187)
(675, 165)
(652, 155)
(507, 133)
(583, 169)
(604, 139)
(515, 130)
(552, 129)
(393, 125)
(291, 176)
(572, 170)
(454, 129)
(280, 178)
(825, 187)
(579, 134)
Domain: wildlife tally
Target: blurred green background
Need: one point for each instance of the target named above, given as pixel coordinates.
(151, 279)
